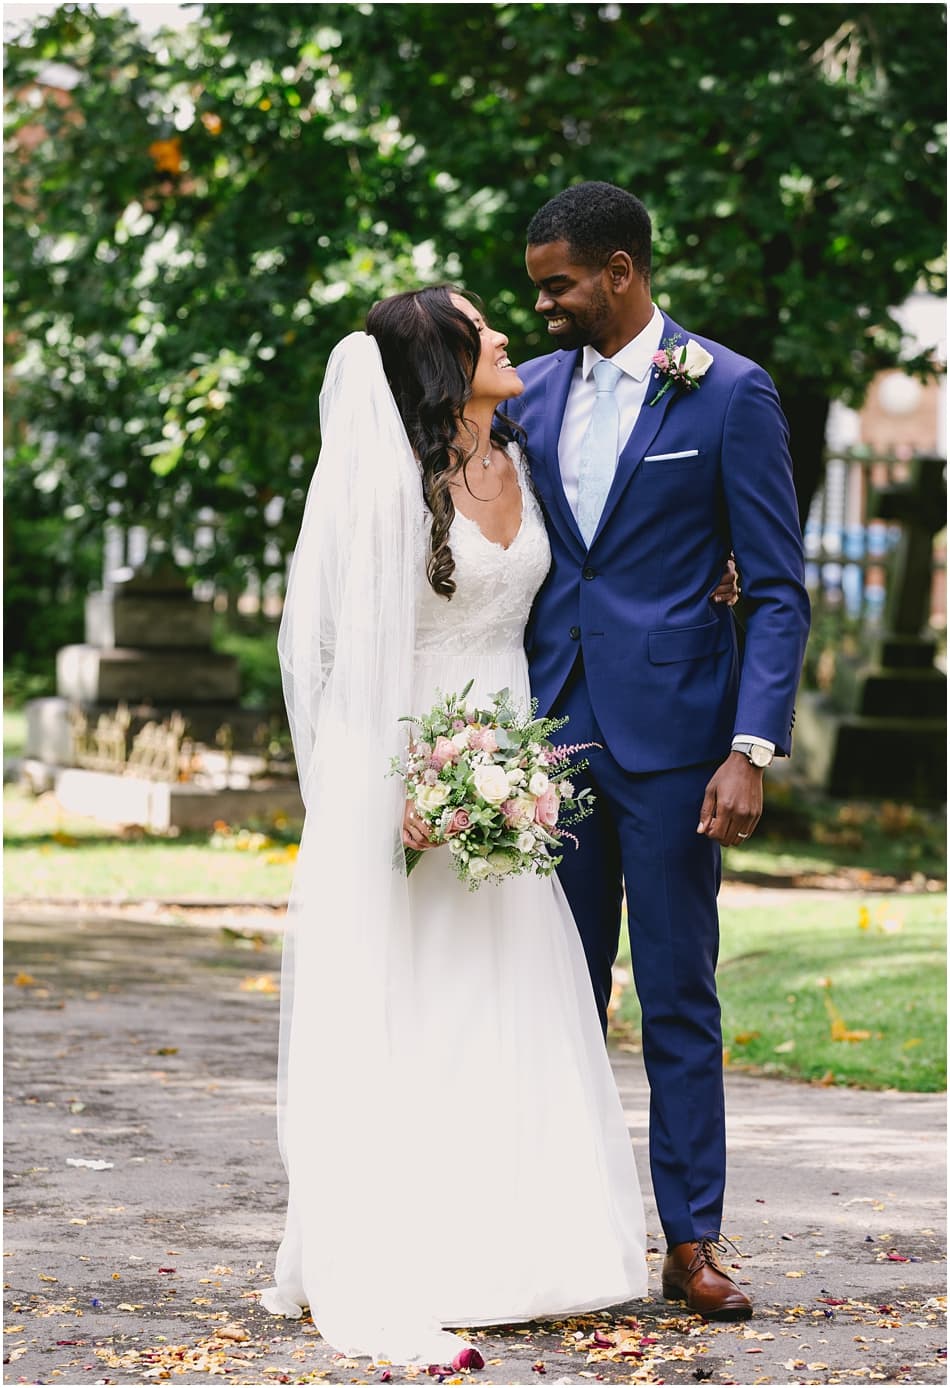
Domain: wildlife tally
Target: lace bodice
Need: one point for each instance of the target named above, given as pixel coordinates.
(495, 587)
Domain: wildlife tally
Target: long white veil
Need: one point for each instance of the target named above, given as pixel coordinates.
(347, 1108)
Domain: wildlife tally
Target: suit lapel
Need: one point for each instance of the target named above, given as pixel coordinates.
(557, 390)
(643, 433)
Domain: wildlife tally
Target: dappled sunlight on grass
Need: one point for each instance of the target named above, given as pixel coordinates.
(833, 990)
(53, 855)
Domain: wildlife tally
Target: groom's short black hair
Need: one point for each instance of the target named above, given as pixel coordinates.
(595, 219)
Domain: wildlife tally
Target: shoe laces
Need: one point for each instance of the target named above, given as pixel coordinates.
(710, 1249)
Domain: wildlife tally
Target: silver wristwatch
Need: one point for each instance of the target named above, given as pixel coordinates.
(757, 754)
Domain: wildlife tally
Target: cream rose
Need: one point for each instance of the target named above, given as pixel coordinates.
(491, 783)
(698, 360)
(478, 867)
(460, 739)
(539, 783)
(525, 842)
(430, 798)
(519, 812)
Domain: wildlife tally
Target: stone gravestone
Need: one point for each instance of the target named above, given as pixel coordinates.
(145, 674)
(148, 645)
(891, 736)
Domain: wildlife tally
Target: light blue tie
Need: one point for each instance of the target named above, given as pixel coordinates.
(599, 449)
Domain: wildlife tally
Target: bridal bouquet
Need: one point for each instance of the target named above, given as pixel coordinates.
(490, 784)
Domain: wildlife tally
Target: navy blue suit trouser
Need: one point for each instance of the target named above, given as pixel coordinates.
(642, 836)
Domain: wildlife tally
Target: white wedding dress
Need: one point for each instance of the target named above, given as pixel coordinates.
(487, 1176)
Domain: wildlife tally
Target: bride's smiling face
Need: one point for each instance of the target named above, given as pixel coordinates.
(495, 378)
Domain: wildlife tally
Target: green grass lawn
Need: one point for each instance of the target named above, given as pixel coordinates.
(50, 854)
(795, 972)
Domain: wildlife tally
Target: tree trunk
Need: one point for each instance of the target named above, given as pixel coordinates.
(806, 406)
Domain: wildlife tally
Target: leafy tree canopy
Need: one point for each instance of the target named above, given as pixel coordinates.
(195, 223)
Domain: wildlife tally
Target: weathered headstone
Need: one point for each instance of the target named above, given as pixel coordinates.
(112, 743)
(148, 645)
(148, 640)
(884, 726)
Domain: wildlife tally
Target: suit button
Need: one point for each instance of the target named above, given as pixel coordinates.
(589, 573)
(575, 633)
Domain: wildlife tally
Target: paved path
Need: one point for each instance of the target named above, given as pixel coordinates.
(148, 1042)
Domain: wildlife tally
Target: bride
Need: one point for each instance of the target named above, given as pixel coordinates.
(453, 1139)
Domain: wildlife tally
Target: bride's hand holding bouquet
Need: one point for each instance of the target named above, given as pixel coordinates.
(490, 784)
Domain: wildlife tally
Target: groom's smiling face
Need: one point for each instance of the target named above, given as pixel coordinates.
(573, 299)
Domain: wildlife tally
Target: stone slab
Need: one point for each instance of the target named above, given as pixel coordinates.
(870, 758)
(49, 733)
(120, 619)
(87, 675)
(161, 805)
(891, 758)
(906, 653)
(908, 694)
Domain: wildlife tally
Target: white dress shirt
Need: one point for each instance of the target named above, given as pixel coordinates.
(635, 360)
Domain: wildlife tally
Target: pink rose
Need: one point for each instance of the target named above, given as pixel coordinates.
(444, 750)
(511, 811)
(546, 808)
(461, 819)
(482, 740)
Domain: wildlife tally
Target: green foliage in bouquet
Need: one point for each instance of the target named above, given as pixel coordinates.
(490, 783)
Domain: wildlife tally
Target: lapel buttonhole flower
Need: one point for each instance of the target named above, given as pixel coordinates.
(683, 367)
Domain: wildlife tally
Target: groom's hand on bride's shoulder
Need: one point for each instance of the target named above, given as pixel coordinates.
(732, 805)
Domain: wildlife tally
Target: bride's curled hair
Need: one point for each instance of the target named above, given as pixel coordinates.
(430, 350)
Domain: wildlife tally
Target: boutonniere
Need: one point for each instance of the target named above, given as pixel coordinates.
(683, 367)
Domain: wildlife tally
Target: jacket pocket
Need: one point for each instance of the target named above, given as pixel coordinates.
(687, 643)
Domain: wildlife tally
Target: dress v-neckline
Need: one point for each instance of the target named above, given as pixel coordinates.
(497, 544)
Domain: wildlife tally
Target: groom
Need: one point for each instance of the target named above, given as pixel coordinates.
(649, 477)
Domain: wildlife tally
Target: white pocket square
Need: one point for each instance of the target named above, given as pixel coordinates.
(662, 457)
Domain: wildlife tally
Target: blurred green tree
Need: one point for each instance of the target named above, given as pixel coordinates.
(792, 157)
(196, 218)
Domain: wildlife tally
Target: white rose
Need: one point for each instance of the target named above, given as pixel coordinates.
(430, 798)
(491, 783)
(516, 777)
(478, 867)
(698, 360)
(539, 783)
(523, 811)
(461, 738)
(525, 842)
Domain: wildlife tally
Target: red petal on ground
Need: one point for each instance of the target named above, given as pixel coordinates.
(468, 1359)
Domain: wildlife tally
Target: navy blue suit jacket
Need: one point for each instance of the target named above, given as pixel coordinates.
(661, 659)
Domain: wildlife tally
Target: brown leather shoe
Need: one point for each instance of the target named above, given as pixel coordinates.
(692, 1273)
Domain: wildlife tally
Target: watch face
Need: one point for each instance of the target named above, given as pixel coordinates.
(760, 756)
